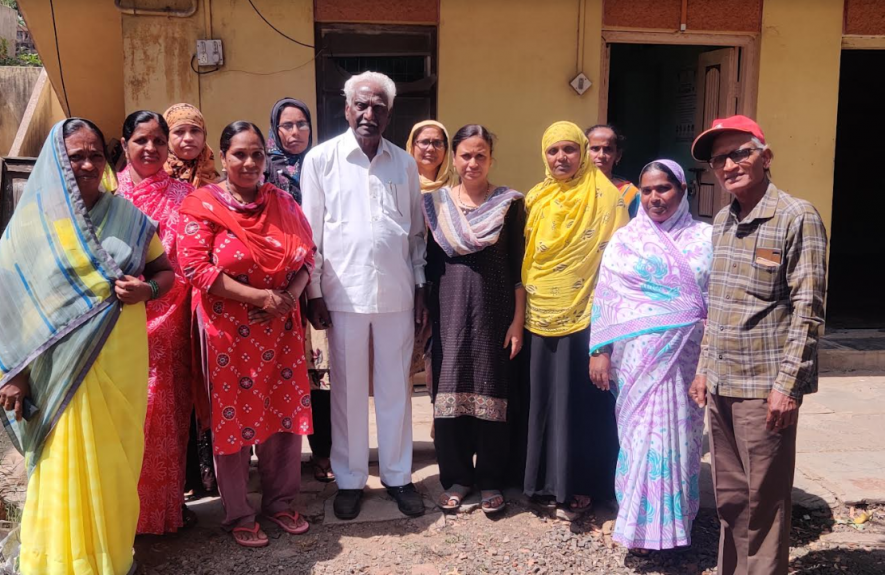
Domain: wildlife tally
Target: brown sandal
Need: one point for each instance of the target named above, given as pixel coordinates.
(322, 473)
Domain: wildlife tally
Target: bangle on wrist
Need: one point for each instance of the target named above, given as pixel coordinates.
(268, 299)
(155, 289)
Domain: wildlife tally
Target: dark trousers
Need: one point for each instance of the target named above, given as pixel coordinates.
(457, 439)
(753, 479)
(321, 440)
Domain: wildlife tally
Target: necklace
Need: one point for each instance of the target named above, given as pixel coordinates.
(465, 206)
(235, 195)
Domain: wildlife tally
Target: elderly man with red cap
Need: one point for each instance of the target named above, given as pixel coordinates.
(759, 354)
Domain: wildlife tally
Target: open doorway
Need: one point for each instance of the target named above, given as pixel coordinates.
(662, 95)
(857, 246)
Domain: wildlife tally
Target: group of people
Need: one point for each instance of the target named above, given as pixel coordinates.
(576, 331)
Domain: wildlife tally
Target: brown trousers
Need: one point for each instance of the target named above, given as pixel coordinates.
(279, 467)
(753, 479)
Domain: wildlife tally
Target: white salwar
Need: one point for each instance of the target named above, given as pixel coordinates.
(370, 235)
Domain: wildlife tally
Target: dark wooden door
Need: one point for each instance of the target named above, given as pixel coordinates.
(407, 54)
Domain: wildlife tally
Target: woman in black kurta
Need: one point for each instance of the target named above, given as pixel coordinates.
(474, 262)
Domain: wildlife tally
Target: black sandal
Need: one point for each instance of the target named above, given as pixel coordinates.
(321, 473)
(188, 517)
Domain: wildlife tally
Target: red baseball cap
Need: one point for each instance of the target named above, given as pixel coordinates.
(703, 144)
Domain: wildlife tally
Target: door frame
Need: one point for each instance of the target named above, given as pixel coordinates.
(748, 61)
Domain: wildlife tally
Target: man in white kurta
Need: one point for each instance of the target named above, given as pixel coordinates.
(362, 197)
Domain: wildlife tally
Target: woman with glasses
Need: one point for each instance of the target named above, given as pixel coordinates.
(289, 139)
(474, 261)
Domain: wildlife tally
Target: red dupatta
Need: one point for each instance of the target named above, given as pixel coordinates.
(273, 227)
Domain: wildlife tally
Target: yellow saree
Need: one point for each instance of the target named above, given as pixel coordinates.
(568, 225)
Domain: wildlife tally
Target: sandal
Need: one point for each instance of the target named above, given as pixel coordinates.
(451, 498)
(487, 500)
(322, 473)
(301, 526)
(636, 552)
(259, 540)
(188, 517)
(574, 504)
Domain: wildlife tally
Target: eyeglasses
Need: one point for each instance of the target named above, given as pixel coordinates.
(424, 144)
(289, 126)
(737, 156)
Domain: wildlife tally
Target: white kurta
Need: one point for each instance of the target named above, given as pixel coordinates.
(369, 230)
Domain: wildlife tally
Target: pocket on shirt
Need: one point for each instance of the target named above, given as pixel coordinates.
(766, 267)
(395, 201)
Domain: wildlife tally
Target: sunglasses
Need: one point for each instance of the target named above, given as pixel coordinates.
(737, 156)
(425, 144)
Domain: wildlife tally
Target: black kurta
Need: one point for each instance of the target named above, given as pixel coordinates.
(472, 305)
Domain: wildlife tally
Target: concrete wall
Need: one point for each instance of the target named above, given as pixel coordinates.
(90, 40)
(259, 65)
(798, 95)
(508, 66)
(8, 28)
(43, 111)
(16, 85)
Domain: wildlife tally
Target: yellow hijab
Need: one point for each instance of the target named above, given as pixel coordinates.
(568, 225)
(445, 178)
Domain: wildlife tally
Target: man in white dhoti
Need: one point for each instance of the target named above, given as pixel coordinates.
(362, 197)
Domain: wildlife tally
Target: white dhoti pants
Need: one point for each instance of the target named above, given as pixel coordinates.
(393, 338)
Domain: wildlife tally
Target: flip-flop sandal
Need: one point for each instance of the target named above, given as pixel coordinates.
(321, 473)
(255, 530)
(297, 530)
(456, 493)
(488, 509)
(576, 508)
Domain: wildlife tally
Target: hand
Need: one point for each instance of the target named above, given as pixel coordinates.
(514, 337)
(421, 315)
(783, 411)
(131, 290)
(600, 370)
(318, 314)
(698, 390)
(277, 303)
(13, 394)
(259, 316)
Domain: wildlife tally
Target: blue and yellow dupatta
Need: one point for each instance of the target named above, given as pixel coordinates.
(58, 264)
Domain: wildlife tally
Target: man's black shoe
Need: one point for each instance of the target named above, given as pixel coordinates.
(347, 503)
(408, 500)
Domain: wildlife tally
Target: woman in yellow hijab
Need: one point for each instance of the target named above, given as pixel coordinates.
(429, 145)
(572, 434)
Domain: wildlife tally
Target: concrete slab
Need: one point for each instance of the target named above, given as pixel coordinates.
(854, 477)
(853, 539)
(377, 506)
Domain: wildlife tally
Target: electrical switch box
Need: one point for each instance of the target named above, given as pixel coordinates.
(209, 53)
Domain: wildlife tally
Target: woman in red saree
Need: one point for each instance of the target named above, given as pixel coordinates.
(146, 184)
(248, 250)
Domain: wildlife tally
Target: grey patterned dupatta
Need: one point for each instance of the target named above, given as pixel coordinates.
(58, 263)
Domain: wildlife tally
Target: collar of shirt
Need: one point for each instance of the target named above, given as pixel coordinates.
(764, 210)
(351, 146)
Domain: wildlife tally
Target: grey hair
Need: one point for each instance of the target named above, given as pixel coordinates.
(758, 143)
(382, 81)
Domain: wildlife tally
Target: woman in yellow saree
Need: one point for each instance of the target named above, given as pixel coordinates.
(73, 356)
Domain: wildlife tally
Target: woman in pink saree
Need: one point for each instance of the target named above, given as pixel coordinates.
(648, 321)
(146, 184)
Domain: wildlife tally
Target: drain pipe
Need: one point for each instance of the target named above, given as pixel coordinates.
(187, 13)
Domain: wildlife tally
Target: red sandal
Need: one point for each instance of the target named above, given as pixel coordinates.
(255, 530)
(298, 529)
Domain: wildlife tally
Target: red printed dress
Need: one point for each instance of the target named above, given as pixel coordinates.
(166, 427)
(257, 374)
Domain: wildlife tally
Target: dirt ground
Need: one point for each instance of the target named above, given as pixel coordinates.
(521, 541)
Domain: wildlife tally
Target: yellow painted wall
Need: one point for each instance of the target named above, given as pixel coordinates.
(260, 66)
(90, 41)
(507, 65)
(798, 95)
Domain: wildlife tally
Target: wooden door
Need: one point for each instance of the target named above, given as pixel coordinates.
(717, 89)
